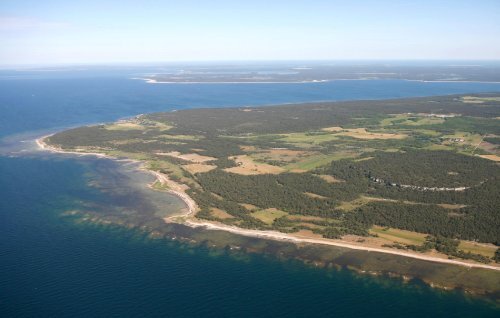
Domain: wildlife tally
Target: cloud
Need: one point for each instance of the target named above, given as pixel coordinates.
(8, 23)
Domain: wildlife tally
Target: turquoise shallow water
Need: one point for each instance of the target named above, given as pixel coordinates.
(50, 266)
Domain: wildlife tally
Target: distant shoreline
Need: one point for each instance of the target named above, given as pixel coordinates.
(154, 81)
(187, 218)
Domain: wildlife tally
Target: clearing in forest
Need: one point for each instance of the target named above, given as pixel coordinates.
(221, 214)
(491, 157)
(362, 133)
(399, 236)
(125, 126)
(268, 215)
(246, 166)
(192, 157)
(198, 167)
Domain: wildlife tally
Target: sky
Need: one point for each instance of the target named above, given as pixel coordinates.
(125, 31)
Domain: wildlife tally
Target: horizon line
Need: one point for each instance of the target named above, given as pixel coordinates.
(236, 61)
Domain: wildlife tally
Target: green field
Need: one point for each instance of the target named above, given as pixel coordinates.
(396, 235)
(268, 215)
(308, 138)
(317, 161)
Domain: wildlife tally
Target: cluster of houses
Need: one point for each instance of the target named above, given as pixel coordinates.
(456, 139)
(439, 115)
(413, 187)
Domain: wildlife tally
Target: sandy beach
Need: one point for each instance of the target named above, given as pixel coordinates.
(42, 145)
(187, 218)
(296, 239)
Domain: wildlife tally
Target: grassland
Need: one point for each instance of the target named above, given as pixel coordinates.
(268, 215)
(398, 236)
(358, 202)
(313, 162)
(487, 250)
(362, 133)
(479, 99)
(308, 139)
(491, 157)
(125, 126)
(245, 165)
(220, 214)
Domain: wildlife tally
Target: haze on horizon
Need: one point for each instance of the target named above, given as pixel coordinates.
(124, 31)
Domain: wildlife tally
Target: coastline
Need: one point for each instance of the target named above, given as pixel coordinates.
(188, 219)
(174, 188)
(154, 81)
(297, 239)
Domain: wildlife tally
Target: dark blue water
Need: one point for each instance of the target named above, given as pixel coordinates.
(34, 104)
(51, 267)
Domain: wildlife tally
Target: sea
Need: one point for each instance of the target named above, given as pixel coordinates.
(53, 266)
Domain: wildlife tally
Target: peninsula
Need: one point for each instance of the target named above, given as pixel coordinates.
(414, 177)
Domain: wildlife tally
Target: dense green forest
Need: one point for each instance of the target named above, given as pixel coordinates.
(427, 168)
(332, 168)
(306, 117)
